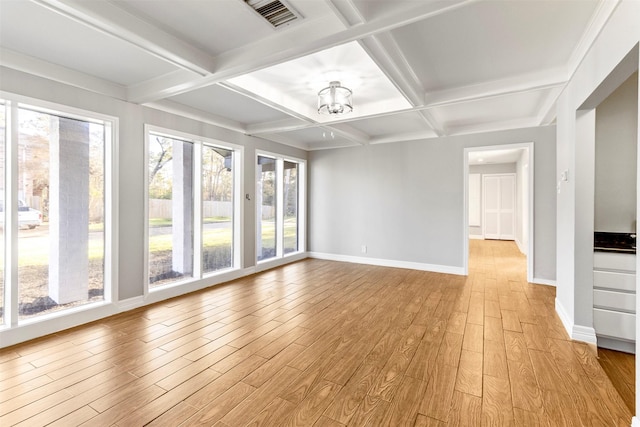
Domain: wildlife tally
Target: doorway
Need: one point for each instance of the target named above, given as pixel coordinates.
(488, 188)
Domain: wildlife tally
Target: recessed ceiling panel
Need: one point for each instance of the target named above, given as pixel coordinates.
(493, 40)
(229, 104)
(520, 106)
(33, 30)
(295, 84)
(216, 26)
(212, 26)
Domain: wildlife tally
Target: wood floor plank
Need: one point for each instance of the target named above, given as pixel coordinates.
(311, 408)
(404, 407)
(466, 410)
(436, 402)
(495, 360)
(496, 402)
(389, 379)
(424, 421)
(525, 391)
(217, 407)
(469, 377)
(258, 400)
(370, 412)
(273, 414)
(473, 338)
(510, 320)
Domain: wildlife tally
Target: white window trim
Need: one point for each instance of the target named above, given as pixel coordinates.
(14, 331)
(302, 213)
(199, 279)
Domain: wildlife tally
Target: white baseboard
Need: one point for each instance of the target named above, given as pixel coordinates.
(476, 236)
(576, 332)
(584, 333)
(269, 264)
(547, 282)
(521, 247)
(130, 303)
(567, 322)
(635, 422)
(390, 263)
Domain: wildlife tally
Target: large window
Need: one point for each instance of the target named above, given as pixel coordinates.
(266, 203)
(217, 208)
(53, 206)
(278, 202)
(192, 197)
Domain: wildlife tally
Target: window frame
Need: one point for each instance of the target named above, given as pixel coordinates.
(12, 103)
(301, 211)
(198, 278)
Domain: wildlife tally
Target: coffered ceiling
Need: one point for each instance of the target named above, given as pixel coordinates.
(418, 68)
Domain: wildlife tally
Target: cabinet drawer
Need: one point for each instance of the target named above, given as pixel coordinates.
(613, 280)
(614, 300)
(614, 324)
(614, 261)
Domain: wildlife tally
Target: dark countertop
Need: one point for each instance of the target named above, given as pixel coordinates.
(604, 241)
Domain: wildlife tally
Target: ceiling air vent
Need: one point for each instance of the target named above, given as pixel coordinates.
(275, 11)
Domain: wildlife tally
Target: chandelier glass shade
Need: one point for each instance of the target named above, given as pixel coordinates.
(335, 99)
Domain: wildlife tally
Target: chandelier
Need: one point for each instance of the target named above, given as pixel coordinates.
(335, 99)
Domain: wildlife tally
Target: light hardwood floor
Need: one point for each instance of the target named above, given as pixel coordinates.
(325, 344)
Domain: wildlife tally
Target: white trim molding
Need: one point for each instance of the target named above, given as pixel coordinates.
(546, 282)
(635, 422)
(277, 262)
(576, 332)
(434, 268)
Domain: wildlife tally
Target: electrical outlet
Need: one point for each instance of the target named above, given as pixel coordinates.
(364, 249)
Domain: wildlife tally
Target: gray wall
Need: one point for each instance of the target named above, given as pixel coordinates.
(405, 200)
(615, 162)
(131, 167)
(483, 170)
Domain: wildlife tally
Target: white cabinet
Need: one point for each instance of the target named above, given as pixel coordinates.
(614, 300)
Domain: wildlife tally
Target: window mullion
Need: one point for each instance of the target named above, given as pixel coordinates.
(197, 210)
(11, 216)
(279, 195)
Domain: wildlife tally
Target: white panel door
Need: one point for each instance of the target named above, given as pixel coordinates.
(499, 201)
(491, 202)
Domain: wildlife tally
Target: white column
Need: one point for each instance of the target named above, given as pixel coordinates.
(69, 211)
(182, 195)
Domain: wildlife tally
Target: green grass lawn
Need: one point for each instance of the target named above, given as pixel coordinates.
(35, 251)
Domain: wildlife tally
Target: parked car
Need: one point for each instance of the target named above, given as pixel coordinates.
(27, 217)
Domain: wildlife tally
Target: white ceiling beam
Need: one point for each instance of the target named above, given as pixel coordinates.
(388, 56)
(38, 67)
(346, 11)
(287, 140)
(436, 126)
(264, 101)
(196, 114)
(286, 125)
(349, 133)
(261, 55)
(402, 137)
(116, 22)
(519, 123)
